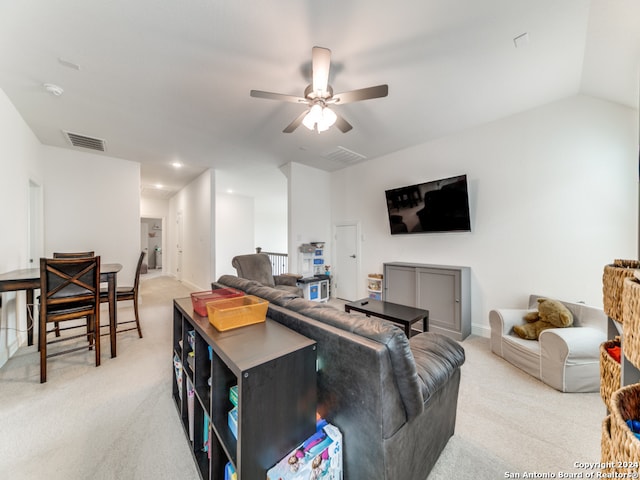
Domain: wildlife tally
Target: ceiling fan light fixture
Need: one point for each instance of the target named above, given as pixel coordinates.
(319, 94)
(312, 117)
(329, 117)
(319, 118)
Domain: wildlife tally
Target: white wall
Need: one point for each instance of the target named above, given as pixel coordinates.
(270, 221)
(20, 162)
(309, 191)
(236, 232)
(197, 203)
(553, 196)
(92, 203)
(154, 207)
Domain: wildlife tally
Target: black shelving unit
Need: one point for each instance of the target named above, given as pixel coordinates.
(275, 371)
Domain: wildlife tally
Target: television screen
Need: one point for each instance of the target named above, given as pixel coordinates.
(437, 206)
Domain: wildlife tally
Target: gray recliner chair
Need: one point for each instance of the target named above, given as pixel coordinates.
(257, 267)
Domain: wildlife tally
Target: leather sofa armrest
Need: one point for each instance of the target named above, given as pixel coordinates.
(289, 280)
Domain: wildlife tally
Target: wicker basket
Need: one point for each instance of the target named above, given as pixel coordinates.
(625, 447)
(608, 454)
(631, 323)
(609, 372)
(612, 281)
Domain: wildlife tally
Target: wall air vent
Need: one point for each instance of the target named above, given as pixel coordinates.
(83, 141)
(344, 156)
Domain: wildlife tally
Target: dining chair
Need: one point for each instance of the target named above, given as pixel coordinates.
(73, 254)
(69, 290)
(69, 255)
(128, 293)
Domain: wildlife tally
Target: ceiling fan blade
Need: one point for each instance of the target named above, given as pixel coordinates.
(342, 124)
(320, 64)
(296, 123)
(361, 94)
(277, 96)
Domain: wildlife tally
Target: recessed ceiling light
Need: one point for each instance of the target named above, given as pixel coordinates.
(229, 190)
(176, 164)
(159, 186)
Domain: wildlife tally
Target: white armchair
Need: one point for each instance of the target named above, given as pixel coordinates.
(567, 359)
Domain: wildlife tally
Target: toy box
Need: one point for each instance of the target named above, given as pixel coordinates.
(319, 457)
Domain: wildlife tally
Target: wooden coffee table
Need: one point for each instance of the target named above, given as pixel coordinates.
(393, 312)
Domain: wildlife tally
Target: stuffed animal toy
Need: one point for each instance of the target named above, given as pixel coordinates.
(550, 314)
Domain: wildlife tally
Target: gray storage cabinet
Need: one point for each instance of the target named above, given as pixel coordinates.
(444, 290)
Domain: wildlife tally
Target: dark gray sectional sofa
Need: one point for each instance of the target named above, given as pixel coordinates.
(393, 399)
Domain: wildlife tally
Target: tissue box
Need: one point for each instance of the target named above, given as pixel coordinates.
(319, 457)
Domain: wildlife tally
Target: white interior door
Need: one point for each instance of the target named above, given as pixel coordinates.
(347, 268)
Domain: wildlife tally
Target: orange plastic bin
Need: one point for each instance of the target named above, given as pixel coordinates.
(237, 312)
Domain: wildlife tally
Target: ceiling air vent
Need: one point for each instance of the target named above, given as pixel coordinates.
(344, 155)
(83, 141)
(156, 192)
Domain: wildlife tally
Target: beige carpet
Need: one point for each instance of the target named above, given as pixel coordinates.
(118, 421)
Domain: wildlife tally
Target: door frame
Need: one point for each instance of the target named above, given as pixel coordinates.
(347, 223)
(179, 243)
(35, 248)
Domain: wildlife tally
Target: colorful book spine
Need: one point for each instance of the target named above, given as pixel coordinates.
(230, 472)
(233, 421)
(206, 440)
(233, 395)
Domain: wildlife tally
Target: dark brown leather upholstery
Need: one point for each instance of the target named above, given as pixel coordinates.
(257, 267)
(394, 400)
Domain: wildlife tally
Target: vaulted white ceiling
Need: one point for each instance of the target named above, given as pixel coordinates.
(167, 80)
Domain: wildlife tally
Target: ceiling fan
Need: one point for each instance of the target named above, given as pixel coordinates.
(319, 97)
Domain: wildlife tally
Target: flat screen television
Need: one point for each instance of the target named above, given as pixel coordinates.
(429, 207)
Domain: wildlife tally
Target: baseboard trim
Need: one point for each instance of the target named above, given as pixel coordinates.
(194, 287)
(481, 331)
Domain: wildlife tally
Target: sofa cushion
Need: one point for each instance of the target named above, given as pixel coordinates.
(274, 295)
(386, 333)
(437, 358)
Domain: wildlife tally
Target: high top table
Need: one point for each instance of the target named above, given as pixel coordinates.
(28, 279)
(393, 312)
